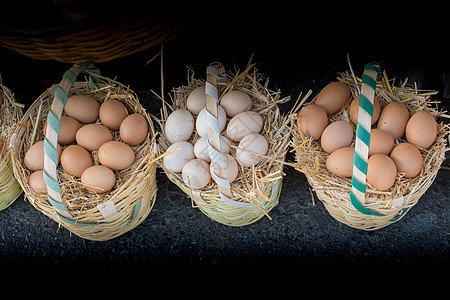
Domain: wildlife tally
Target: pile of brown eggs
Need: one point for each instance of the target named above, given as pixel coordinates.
(86, 135)
(395, 136)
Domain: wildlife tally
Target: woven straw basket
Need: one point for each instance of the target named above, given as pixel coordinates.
(87, 214)
(99, 43)
(380, 209)
(257, 189)
(10, 114)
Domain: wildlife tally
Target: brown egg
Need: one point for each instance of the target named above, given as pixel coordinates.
(75, 159)
(333, 97)
(312, 120)
(381, 171)
(380, 142)
(82, 108)
(34, 158)
(112, 112)
(421, 129)
(393, 119)
(68, 130)
(340, 162)
(116, 155)
(37, 183)
(134, 129)
(408, 159)
(337, 135)
(354, 110)
(92, 136)
(98, 179)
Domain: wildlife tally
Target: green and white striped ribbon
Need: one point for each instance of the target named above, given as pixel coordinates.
(52, 133)
(365, 114)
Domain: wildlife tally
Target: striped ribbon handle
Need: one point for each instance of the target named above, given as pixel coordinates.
(214, 74)
(372, 71)
(52, 133)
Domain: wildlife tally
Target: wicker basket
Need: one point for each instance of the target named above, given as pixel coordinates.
(87, 214)
(256, 190)
(380, 208)
(10, 114)
(98, 43)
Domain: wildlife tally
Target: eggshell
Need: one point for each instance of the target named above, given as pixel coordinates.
(232, 168)
(381, 171)
(112, 112)
(134, 129)
(196, 100)
(201, 122)
(421, 129)
(337, 135)
(393, 119)
(67, 131)
(354, 110)
(196, 174)
(408, 159)
(249, 147)
(92, 136)
(179, 126)
(116, 155)
(312, 120)
(243, 124)
(380, 142)
(235, 102)
(333, 97)
(82, 108)
(340, 162)
(176, 161)
(34, 158)
(98, 179)
(75, 160)
(37, 183)
(201, 149)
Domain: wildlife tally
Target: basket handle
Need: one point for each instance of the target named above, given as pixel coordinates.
(372, 71)
(214, 73)
(51, 136)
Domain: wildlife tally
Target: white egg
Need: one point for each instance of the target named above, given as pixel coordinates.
(202, 126)
(176, 161)
(196, 100)
(201, 149)
(179, 126)
(235, 102)
(196, 174)
(249, 146)
(232, 167)
(243, 124)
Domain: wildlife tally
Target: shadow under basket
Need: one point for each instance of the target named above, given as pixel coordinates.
(93, 216)
(382, 208)
(256, 190)
(10, 114)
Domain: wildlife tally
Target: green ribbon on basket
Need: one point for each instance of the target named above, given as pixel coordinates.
(372, 73)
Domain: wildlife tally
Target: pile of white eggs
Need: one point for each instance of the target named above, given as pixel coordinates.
(193, 160)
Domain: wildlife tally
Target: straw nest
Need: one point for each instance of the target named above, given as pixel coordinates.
(334, 190)
(10, 114)
(256, 190)
(134, 192)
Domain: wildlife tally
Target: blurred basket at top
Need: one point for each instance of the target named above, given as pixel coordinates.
(68, 34)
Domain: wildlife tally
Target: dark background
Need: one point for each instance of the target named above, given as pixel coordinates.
(298, 48)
